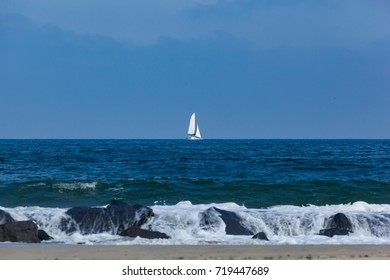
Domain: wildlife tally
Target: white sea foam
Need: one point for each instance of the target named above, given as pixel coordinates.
(76, 186)
(283, 224)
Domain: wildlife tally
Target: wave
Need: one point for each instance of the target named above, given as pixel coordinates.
(227, 223)
(171, 190)
(76, 185)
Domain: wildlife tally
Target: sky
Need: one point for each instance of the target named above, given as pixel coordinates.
(137, 69)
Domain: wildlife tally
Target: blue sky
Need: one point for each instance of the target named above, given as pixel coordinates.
(248, 68)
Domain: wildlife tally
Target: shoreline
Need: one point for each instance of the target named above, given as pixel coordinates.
(193, 252)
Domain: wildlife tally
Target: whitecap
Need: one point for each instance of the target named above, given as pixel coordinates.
(77, 185)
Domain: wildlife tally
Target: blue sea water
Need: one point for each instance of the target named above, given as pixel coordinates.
(277, 185)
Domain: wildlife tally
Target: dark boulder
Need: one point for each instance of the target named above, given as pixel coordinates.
(136, 215)
(210, 219)
(89, 220)
(261, 235)
(135, 231)
(5, 217)
(43, 236)
(337, 224)
(19, 231)
(233, 223)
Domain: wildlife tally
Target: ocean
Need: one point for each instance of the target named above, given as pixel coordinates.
(288, 189)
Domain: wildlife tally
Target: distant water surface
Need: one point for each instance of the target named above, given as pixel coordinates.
(250, 174)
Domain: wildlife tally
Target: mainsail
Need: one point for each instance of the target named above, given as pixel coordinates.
(192, 126)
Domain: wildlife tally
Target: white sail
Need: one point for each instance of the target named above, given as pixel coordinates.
(192, 127)
(197, 134)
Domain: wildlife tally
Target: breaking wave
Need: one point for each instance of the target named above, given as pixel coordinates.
(185, 223)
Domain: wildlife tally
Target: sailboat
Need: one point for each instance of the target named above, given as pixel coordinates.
(193, 129)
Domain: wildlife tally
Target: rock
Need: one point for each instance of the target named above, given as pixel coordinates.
(337, 224)
(43, 236)
(135, 231)
(19, 231)
(89, 220)
(120, 229)
(120, 211)
(210, 220)
(233, 223)
(261, 235)
(5, 217)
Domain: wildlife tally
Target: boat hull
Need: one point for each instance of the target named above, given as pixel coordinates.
(191, 137)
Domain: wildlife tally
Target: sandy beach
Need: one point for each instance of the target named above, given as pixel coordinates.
(190, 252)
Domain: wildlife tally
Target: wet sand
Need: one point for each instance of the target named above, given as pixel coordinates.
(194, 252)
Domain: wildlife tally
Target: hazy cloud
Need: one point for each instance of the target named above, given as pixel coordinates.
(57, 83)
(264, 23)
(304, 23)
